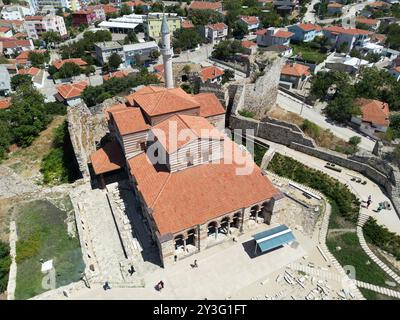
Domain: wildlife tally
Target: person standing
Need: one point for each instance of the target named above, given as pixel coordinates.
(195, 264)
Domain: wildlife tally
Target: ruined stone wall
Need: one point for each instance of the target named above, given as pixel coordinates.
(260, 96)
(273, 130)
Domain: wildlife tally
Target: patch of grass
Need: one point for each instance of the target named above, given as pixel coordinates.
(42, 234)
(351, 254)
(5, 262)
(310, 55)
(246, 113)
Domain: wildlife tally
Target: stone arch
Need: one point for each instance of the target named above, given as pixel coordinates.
(224, 225)
(212, 228)
(266, 212)
(254, 211)
(179, 241)
(235, 222)
(191, 237)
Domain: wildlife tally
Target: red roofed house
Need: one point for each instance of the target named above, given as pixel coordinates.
(23, 58)
(36, 74)
(295, 74)
(59, 63)
(351, 37)
(6, 32)
(305, 32)
(273, 36)
(250, 47)
(10, 46)
(206, 5)
(136, 3)
(116, 74)
(70, 93)
(214, 33)
(88, 16)
(335, 8)
(252, 22)
(374, 116)
(187, 24)
(372, 24)
(395, 72)
(5, 103)
(211, 74)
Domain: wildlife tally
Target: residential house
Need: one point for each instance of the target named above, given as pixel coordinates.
(187, 24)
(105, 49)
(36, 74)
(116, 74)
(6, 32)
(16, 25)
(374, 116)
(139, 52)
(252, 22)
(133, 4)
(5, 103)
(152, 24)
(305, 32)
(285, 7)
(335, 8)
(295, 74)
(283, 51)
(372, 24)
(37, 5)
(88, 16)
(206, 5)
(211, 74)
(215, 33)
(23, 57)
(250, 47)
(395, 72)
(37, 25)
(345, 63)
(350, 37)
(11, 46)
(273, 36)
(78, 61)
(15, 12)
(5, 81)
(70, 94)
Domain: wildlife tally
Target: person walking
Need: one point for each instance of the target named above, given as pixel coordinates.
(195, 264)
(368, 203)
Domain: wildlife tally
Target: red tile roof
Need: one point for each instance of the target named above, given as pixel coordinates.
(209, 105)
(5, 103)
(378, 4)
(374, 111)
(59, 63)
(248, 44)
(205, 5)
(10, 44)
(34, 18)
(250, 19)
(295, 69)
(283, 34)
(73, 90)
(170, 131)
(370, 22)
(32, 71)
(352, 31)
(107, 158)
(193, 196)
(4, 29)
(135, 3)
(210, 73)
(217, 26)
(129, 120)
(116, 74)
(23, 57)
(186, 24)
(309, 27)
(157, 100)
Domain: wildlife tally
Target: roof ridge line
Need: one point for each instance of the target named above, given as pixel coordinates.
(161, 190)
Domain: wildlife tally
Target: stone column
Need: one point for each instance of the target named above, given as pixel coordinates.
(202, 237)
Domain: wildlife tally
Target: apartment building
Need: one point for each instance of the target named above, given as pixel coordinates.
(37, 25)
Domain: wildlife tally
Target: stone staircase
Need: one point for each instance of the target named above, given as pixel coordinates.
(362, 219)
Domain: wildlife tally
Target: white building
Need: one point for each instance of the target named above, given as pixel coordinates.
(139, 50)
(37, 5)
(105, 49)
(37, 25)
(15, 12)
(215, 33)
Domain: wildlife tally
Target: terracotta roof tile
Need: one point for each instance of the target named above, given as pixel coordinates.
(370, 22)
(23, 57)
(205, 5)
(209, 105)
(250, 19)
(295, 69)
(157, 100)
(73, 90)
(335, 5)
(129, 120)
(210, 73)
(309, 27)
(283, 34)
(193, 196)
(217, 26)
(374, 111)
(107, 158)
(116, 74)
(186, 24)
(59, 63)
(248, 44)
(32, 71)
(5, 103)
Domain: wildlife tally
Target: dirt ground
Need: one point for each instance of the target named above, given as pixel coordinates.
(26, 162)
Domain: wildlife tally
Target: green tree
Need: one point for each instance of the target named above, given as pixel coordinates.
(68, 70)
(354, 142)
(114, 61)
(240, 29)
(204, 17)
(5, 138)
(154, 54)
(227, 49)
(228, 75)
(131, 38)
(51, 37)
(89, 70)
(342, 106)
(5, 263)
(233, 8)
(20, 80)
(271, 19)
(140, 9)
(125, 10)
(38, 60)
(186, 39)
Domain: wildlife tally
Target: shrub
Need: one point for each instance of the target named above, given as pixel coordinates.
(5, 262)
(246, 113)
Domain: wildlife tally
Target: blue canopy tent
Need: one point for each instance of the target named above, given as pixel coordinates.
(273, 238)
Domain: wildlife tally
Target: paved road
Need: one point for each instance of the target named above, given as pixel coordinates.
(294, 105)
(309, 16)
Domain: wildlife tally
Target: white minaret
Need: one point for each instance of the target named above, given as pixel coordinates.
(166, 51)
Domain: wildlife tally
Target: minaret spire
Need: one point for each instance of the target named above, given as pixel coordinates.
(166, 51)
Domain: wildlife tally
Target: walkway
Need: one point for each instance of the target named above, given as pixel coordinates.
(385, 291)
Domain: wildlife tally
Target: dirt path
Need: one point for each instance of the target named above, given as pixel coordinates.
(26, 162)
